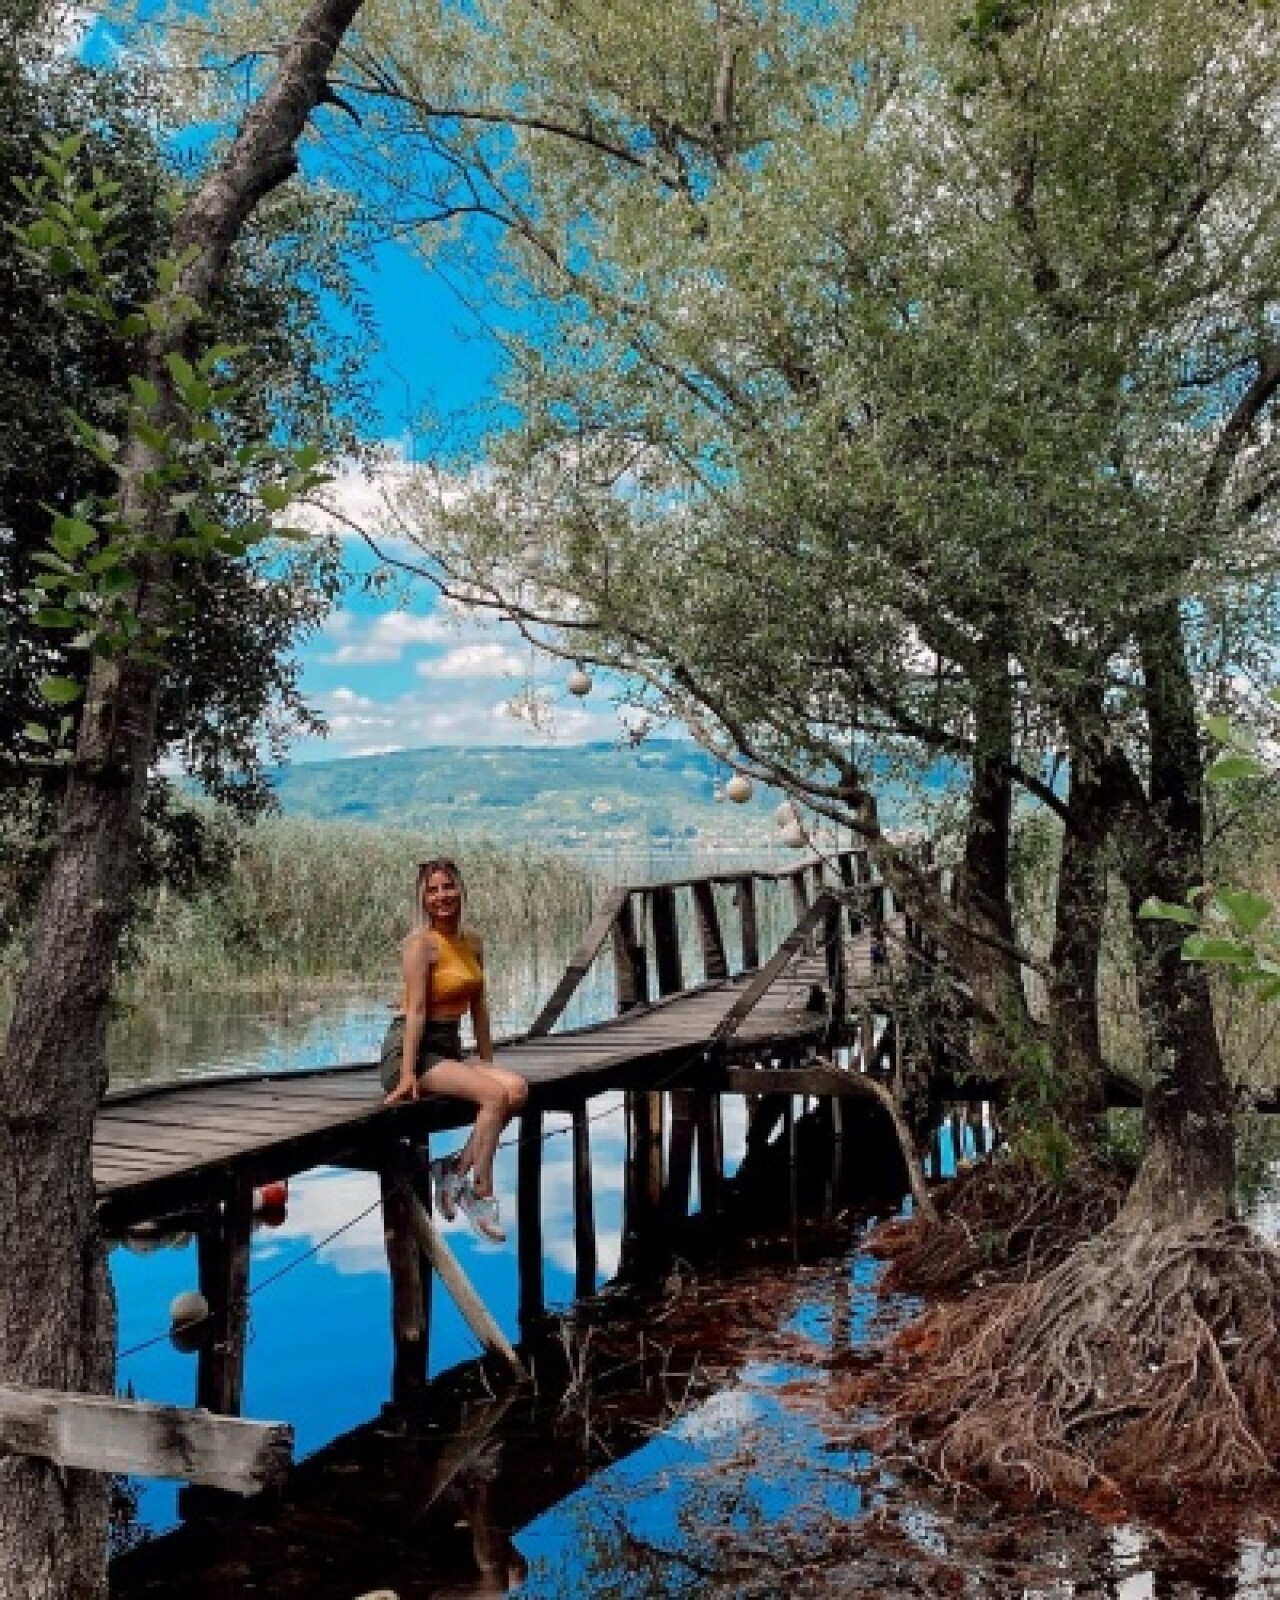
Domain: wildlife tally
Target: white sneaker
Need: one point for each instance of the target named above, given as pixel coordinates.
(446, 1185)
(482, 1213)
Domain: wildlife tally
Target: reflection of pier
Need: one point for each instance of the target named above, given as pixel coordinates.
(699, 1014)
(429, 1497)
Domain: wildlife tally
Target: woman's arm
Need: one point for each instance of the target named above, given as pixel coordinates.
(419, 952)
(480, 1022)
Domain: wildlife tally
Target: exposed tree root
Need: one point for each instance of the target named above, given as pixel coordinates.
(1146, 1358)
(999, 1221)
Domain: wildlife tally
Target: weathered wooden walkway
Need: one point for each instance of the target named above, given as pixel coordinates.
(177, 1146)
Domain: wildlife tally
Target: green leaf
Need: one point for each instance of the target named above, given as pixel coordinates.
(1154, 910)
(55, 617)
(36, 733)
(1220, 728)
(1233, 766)
(274, 496)
(1205, 947)
(1245, 908)
(60, 691)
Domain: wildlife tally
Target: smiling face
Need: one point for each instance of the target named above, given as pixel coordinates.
(442, 896)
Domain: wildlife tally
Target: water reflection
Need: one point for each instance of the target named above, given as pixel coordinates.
(684, 1435)
(205, 1035)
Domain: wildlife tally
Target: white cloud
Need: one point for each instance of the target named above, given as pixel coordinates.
(488, 660)
(360, 500)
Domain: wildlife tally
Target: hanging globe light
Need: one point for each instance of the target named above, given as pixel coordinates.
(794, 836)
(738, 788)
(785, 814)
(579, 683)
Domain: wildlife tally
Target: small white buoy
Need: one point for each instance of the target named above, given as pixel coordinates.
(738, 788)
(785, 814)
(579, 683)
(188, 1308)
(794, 836)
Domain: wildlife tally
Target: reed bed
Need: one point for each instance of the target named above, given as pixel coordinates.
(321, 901)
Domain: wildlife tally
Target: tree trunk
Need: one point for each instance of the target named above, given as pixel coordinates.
(1079, 914)
(56, 1311)
(993, 970)
(1188, 1166)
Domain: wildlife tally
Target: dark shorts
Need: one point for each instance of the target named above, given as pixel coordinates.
(441, 1041)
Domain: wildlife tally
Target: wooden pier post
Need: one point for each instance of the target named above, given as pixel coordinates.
(411, 1280)
(749, 913)
(529, 1219)
(472, 1307)
(709, 1126)
(666, 940)
(715, 962)
(223, 1254)
(793, 1175)
(584, 1215)
(680, 1155)
(630, 969)
(799, 895)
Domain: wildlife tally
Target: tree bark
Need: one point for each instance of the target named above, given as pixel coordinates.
(994, 971)
(1079, 913)
(1187, 1173)
(57, 1326)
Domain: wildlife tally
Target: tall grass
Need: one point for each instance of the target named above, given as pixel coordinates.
(329, 901)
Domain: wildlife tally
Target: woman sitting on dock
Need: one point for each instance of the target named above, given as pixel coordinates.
(422, 1053)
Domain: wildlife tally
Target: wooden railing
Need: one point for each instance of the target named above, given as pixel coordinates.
(643, 919)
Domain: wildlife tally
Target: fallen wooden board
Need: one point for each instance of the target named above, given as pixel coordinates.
(102, 1434)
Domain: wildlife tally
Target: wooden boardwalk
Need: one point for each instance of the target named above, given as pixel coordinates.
(165, 1149)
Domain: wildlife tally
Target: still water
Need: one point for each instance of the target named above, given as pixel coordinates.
(683, 1442)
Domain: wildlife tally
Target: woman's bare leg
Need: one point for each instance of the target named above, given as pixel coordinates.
(466, 1082)
(516, 1093)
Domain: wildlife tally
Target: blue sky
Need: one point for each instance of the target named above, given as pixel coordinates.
(390, 676)
(401, 672)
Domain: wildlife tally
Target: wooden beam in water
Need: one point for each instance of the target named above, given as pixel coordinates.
(473, 1309)
(710, 1132)
(529, 1218)
(223, 1253)
(680, 1155)
(410, 1289)
(98, 1433)
(584, 1216)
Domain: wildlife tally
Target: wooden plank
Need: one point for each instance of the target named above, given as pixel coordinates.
(769, 974)
(747, 910)
(601, 927)
(100, 1434)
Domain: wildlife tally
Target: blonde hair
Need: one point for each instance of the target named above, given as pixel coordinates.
(421, 917)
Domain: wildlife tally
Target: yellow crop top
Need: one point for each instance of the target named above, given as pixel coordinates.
(454, 979)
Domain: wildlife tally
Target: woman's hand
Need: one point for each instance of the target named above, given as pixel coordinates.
(406, 1089)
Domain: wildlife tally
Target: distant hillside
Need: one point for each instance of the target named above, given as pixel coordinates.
(572, 796)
